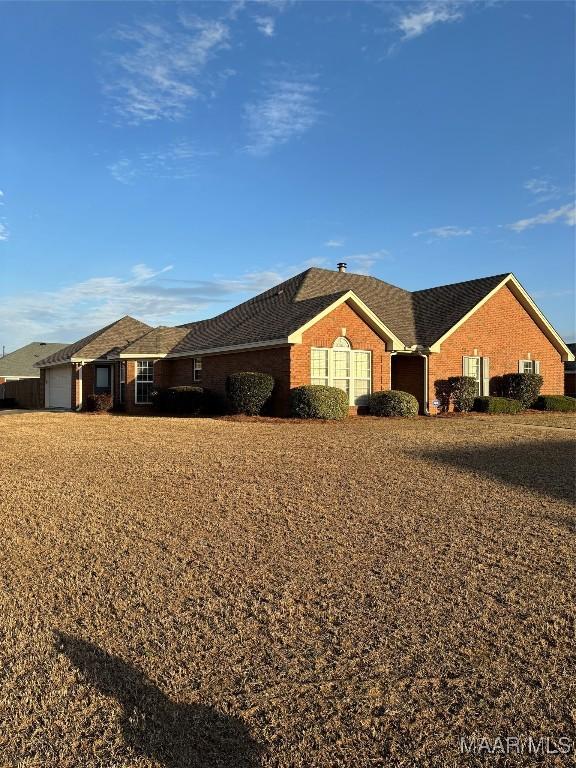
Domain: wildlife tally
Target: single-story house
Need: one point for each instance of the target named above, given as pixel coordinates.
(20, 378)
(348, 330)
(570, 374)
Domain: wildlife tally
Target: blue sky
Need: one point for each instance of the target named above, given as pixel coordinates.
(167, 160)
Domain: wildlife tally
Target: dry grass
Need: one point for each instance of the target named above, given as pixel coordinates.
(202, 594)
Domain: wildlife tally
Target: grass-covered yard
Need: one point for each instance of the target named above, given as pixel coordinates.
(231, 593)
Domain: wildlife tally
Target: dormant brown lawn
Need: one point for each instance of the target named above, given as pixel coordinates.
(271, 593)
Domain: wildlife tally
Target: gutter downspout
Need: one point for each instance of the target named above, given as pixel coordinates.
(425, 401)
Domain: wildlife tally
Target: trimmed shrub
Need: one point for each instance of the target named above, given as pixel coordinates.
(8, 402)
(497, 405)
(393, 402)
(316, 401)
(555, 403)
(462, 392)
(182, 400)
(249, 391)
(522, 386)
(98, 403)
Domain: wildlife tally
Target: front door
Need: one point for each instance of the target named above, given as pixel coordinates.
(103, 380)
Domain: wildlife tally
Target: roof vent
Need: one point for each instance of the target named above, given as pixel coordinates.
(341, 266)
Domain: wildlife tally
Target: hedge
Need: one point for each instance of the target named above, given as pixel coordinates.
(393, 402)
(179, 400)
(497, 405)
(98, 403)
(555, 403)
(248, 392)
(462, 392)
(316, 401)
(8, 402)
(524, 387)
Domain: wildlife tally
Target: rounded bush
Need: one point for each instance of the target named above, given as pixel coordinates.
(181, 400)
(497, 405)
(316, 401)
(98, 403)
(393, 402)
(556, 403)
(524, 387)
(248, 392)
(462, 392)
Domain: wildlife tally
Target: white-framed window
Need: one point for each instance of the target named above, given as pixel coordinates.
(319, 366)
(528, 366)
(144, 381)
(197, 368)
(478, 368)
(343, 367)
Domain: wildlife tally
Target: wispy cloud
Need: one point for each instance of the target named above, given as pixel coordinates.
(158, 70)
(566, 214)
(266, 25)
(422, 16)
(4, 233)
(72, 311)
(337, 242)
(177, 160)
(286, 111)
(362, 263)
(444, 233)
(542, 189)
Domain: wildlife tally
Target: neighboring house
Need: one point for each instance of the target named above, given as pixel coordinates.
(570, 374)
(19, 378)
(323, 327)
(20, 364)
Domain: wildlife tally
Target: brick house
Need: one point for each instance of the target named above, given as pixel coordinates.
(325, 327)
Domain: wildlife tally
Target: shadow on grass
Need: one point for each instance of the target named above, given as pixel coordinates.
(547, 467)
(175, 735)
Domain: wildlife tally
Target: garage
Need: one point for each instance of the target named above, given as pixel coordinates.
(59, 387)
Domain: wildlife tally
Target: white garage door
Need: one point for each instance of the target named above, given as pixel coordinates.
(59, 387)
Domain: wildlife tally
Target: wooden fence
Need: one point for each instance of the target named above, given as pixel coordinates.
(26, 392)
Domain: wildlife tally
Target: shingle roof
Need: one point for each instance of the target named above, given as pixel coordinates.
(21, 361)
(105, 341)
(421, 317)
(158, 341)
(436, 310)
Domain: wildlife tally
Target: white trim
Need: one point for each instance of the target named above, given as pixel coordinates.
(365, 313)
(80, 388)
(136, 356)
(531, 308)
(233, 348)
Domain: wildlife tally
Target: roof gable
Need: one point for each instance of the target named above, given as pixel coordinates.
(106, 341)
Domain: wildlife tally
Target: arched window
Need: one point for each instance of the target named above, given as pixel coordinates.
(341, 343)
(343, 367)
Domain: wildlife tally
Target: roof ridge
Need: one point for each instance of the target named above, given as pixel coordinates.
(463, 282)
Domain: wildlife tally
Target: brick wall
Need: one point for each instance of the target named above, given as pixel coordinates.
(503, 331)
(323, 334)
(275, 361)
